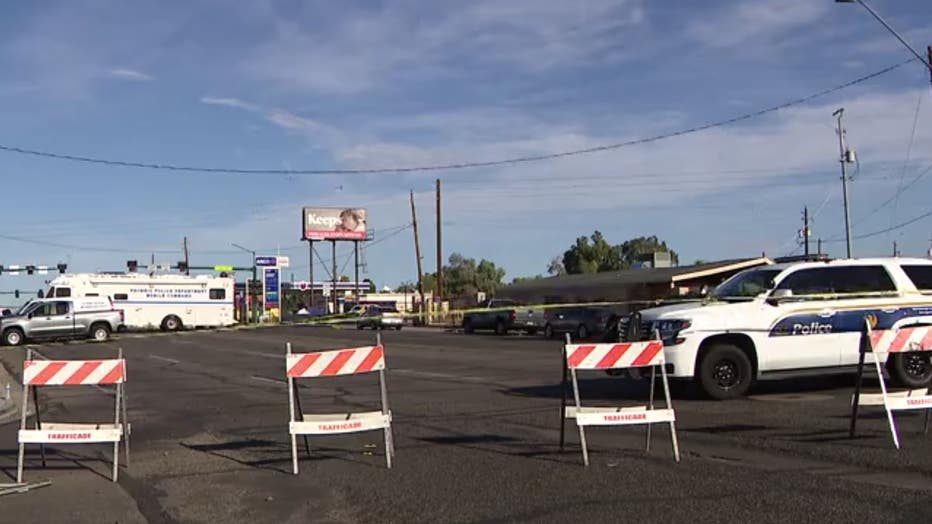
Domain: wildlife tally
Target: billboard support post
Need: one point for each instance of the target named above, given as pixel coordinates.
(310, 273)
(356, 263)
(333, 252)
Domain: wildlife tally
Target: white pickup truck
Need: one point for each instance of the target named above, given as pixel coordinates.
(790, 320)
(54, 318)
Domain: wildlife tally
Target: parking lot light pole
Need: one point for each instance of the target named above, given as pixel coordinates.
(252, 306)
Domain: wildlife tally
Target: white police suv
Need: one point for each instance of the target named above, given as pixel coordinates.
(789, 320)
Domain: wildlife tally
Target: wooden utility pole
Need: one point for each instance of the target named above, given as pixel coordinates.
(929, 58)
(439, 296)
(417, 255)
(845, 157)
(806, 232)
(333, 253)
(819, 243)
(187, 259)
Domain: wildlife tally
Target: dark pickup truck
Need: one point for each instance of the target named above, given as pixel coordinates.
(502, 316)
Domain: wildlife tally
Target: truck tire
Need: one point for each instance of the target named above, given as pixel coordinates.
(725, 372)
(13, 337)
(500, 328)
(548, 331)
(171, 323)
(912, 369)
(100, 332)
(467, 326)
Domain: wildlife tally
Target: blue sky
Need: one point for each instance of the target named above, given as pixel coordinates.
(348, 85)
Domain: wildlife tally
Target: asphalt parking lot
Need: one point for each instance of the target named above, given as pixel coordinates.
(476, 424)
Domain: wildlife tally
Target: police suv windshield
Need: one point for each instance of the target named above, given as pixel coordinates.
(746, 285)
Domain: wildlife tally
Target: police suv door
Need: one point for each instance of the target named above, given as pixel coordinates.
(801, 334)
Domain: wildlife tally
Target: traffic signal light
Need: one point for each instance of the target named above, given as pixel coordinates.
(30, 270)
(62, 268)
(182, 266)
(16, 293)
(1, 270)
(132, 265)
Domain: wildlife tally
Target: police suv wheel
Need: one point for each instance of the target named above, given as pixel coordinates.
(13, 337)
(548, 331)
(911, 369)
(500, 328)
(725, 372)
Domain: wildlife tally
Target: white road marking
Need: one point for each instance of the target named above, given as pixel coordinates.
(443, 376)
(271, 380)
(165, 359)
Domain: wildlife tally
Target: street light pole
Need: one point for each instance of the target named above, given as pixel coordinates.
(252, 307)
(890, 29)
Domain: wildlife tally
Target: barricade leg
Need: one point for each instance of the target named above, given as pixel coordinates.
(126, 430)
(563, 388)
(925, 425)
(666, 392)
(650, 402)
(886, 405)
(116, 422)
(582, 430)
(22, 425)
(389, 445)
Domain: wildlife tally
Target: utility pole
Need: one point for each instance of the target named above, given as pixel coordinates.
(844, 157)
(417, 255)
(820, 247)
(439, 296)
(806, 232)
(929, 57)
(187, 259)
(896, 252)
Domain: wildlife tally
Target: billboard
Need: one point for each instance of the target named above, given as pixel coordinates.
(333, 223)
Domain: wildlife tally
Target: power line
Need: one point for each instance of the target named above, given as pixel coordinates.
(886, 230)
(453, 166)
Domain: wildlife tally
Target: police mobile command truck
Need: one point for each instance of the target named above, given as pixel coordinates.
(169, 302)
(788, 320)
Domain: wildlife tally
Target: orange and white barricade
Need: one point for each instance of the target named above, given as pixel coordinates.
(323, 364)
(886, 343)
(621, 355)
(53, 373)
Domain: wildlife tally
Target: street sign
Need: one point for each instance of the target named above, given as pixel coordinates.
(283, 261)
(223, 268)
(267, 261)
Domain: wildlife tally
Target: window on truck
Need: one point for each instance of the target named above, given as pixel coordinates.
(218, 294)
(921, 276)
(839, 280)
(42, 310)
(62, 308)
(120, 296)
(62, 292)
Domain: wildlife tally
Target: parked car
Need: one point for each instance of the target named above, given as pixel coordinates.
(380, 317)
(55, 318)
(790, 320)
(580, 322)
(502, 316)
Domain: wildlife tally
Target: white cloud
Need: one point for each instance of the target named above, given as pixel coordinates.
(229, 102)
(289, 120)
(757, 23)
(131, 74)
(403, 39)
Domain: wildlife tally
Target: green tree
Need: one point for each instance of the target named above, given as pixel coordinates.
(594, 254)
(555, 267)
(465, 277)
(406, 287)
(636, 249)
(591, 257)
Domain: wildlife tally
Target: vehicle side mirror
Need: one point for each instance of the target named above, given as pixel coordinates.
(779, 294)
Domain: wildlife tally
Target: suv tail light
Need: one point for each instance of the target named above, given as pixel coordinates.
(514, 315)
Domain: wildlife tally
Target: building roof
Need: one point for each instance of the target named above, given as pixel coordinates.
(661, 275)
